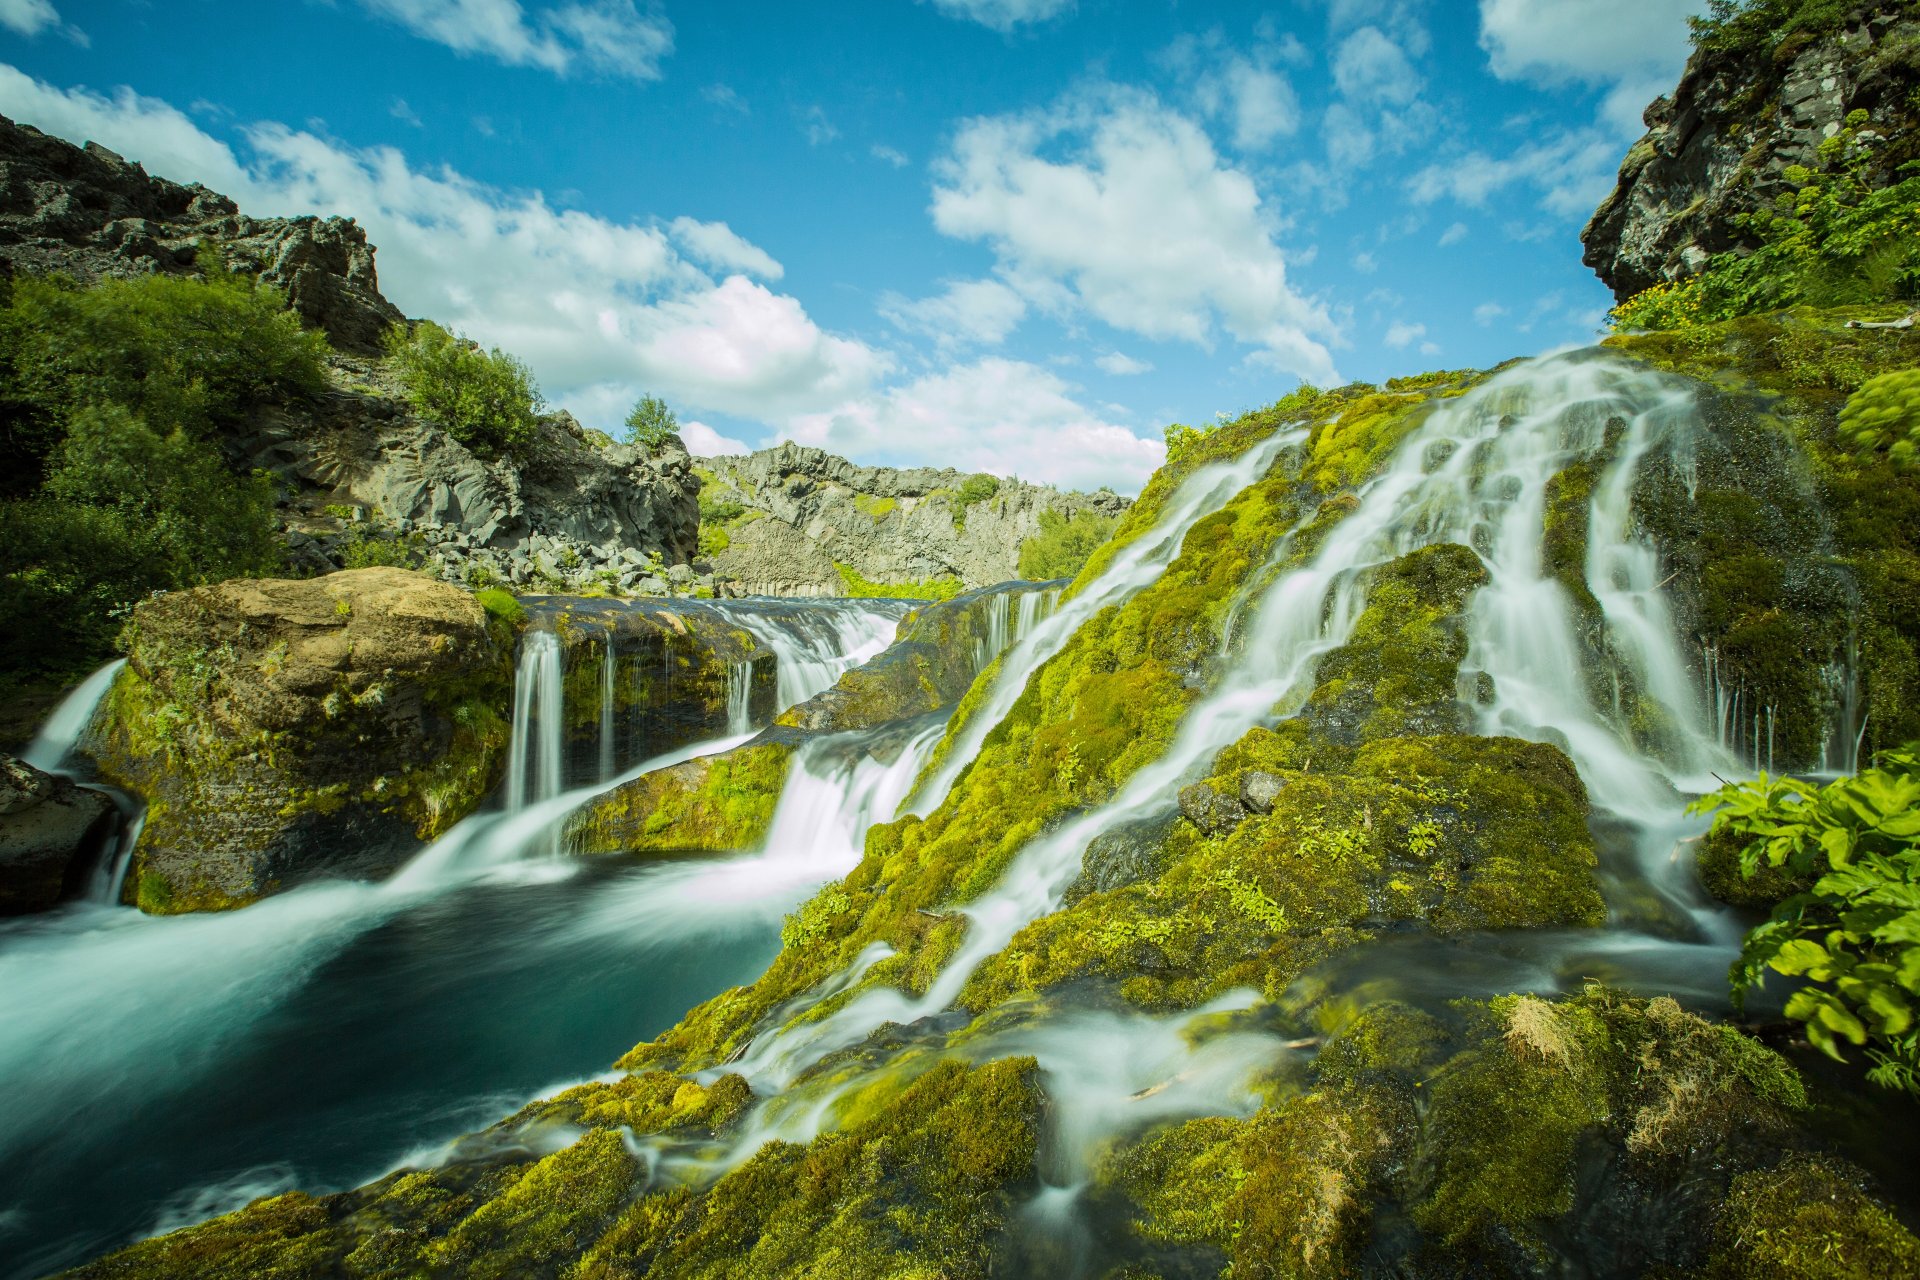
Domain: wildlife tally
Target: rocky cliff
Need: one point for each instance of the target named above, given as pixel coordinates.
(1752, 102)
(366, 479)
(794, 521)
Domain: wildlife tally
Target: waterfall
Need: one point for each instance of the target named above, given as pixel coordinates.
(1475, 473)
(814, 644)
(1034, 605)
(739, 697)
(1139, 563)
(1847, 724)
(999, 623)
(534, 754)
(69, 722)
(609, 669)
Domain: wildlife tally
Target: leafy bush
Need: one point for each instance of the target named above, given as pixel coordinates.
(1885, 415)
(651, 423)
(1761, 24)
(1834, 240)
(485, 399)
(1063, 545)
(180, 352)
(1855, 935)
(977, 487)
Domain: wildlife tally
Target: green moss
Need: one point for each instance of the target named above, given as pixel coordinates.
(877, 509)
(550, 1215)
(1718, 862)
(860, 588)
(713, 804)
(1810, 1218)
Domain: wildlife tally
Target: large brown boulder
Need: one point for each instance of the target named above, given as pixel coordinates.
(282, 730)
(50, 833)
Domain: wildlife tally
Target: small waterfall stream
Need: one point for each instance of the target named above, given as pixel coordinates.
(534, 753)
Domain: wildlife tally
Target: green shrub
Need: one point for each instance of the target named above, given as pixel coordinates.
(1063, 545)
(651, 423)
(1885, 415)
(179, 352)
(485, 399)
(861, 588)
(977, 487)
(1834, 240)
(1855, 935)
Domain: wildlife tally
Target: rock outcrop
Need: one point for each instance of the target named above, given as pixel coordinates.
(798, 515)
(88, 213)
(358, 463)
(283, 730)
(50, 833)
(1719, 145)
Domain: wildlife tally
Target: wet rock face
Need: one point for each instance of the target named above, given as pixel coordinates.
(89, 213)
(282, 730)
(50, 833)
(1215, 812)
(806, 510)
(1719, 145)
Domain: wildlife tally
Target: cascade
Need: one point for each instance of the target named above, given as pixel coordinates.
(609, 671)
(57, 739)
(1847, 726)
(814, 645)
(1475, 473)
(534, 752)
(739, 697)
(1034, 606)
(1137, 564)
(999, 622)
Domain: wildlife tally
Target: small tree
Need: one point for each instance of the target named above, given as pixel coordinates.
(485, 399)
(651, 423)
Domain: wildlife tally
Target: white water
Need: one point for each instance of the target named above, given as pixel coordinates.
(815, 644)
(1139, 563)
(534, 755)
(609, 670)
(55, 742)
(739, 697)
(1474, 473)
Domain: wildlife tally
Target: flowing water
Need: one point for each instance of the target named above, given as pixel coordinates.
(159, 1070)
(379, 1010)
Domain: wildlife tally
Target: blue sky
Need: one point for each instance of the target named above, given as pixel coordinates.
(1018, 236)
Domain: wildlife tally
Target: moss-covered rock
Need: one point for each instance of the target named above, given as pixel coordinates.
(281, 730)
(712, 804)
(1809, 1217)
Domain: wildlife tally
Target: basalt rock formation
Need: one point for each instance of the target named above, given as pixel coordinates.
(1718, 146)
(50, 834)
(802, 519)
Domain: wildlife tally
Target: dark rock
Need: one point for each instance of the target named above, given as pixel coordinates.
(89, 213)
(1214, 812)
(1259, 789)
(51, 832)
(1122, 855)
(1718, 147)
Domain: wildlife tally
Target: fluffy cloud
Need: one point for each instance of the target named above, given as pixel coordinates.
(1401, 334)
(1453, 234)
(1122, 366)
(1245, 91)
(1633, 48)
(703, 441)
(976, 312)
(28, 17)
(1369, 67)
(1571, 171)
(1115, 204)
(1002, 416)
(599, 309)
(612, 37)
(1003, 15)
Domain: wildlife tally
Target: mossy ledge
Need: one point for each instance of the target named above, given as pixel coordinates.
(271, 725)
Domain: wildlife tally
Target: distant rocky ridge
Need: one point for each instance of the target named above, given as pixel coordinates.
(1719, 145)
(805, 513)
(357, 465)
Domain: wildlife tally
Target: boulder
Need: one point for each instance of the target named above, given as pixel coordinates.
(1259, 789)
(50, 833)
(283, 730)
(1214, 812)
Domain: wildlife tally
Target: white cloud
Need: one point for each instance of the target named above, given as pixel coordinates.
(1453, 235)
(1429, 348)
(897, 159)
(1369, 67)
(405, 114)
(586, 301)
(1122, 366)
(714, 245)
(817, 127)
(1365, 263)
(1633, 48)
(726, 98)
(1115, 204)
(703, 441)
(1348, 140)
(1003, 15)
(28, 17)
(1245, 91)
(1487, 312)
(977, 312)
(1002, 416)
(1572, 171)
(1402, 334)
(613, 37)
